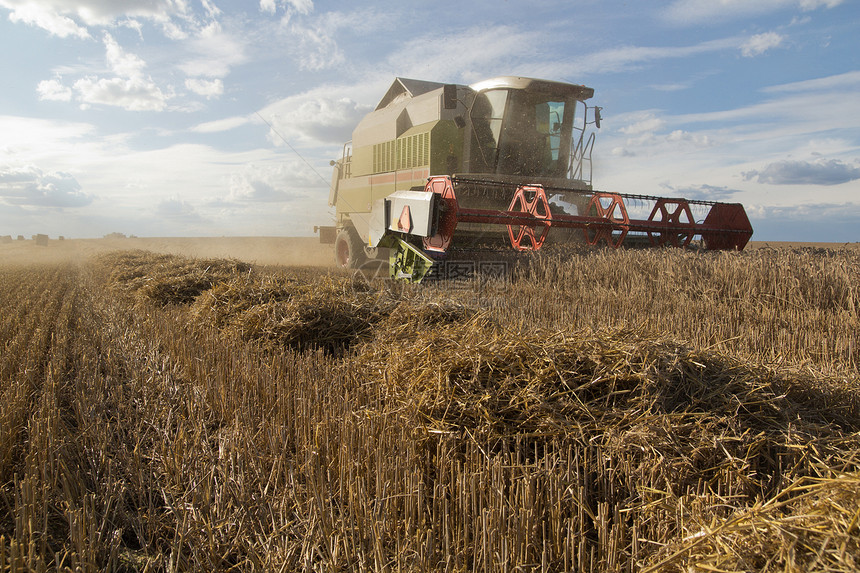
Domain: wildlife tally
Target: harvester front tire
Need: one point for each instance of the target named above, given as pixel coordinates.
(348, 249)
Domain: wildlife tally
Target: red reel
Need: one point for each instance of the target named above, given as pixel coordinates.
(677, 214)
(526, 237)
(443, 187)
(608, 206)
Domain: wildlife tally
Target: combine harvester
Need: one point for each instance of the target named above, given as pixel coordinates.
(441, 168)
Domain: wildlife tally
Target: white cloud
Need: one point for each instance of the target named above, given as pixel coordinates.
(105, 12)
(777, 120)
(65, 18)
(761, 43)
(130, 94)
(315, 117)
(744, 153)
(472, 54)
(646, 135)
(646, 123)
(832, 222)
(826, 213)
(499, 50)
(33, 140)
(480, 52)
(53, 90)
(121, 63)
(815, 4)
(622, 152)
(220, 125)
(314, 47)
(207, 88)
(618, 59)
(130, 89)
(268, 6)
(30, 186)
(215, 52)
(211, 9)
(846, 80)
(690, 139)
(672, 87)
(132, 24)
(624, 58)
(820, 172)
(314, 41)
(177, 209)
(702, 192)
(819, 147)
(299, 6)
(55, 23)
(688, 12)
(173, 31)
(261, 184)
(654, 143)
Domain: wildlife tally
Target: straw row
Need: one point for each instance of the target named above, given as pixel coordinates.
(277, 419)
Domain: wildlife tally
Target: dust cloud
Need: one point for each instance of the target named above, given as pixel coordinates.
(292, 251)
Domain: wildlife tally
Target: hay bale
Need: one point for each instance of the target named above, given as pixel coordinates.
(332, 313)
(812, 525)
(326, 313)
(167, 279)
(177, 290)
(612, 369)
(663, 412)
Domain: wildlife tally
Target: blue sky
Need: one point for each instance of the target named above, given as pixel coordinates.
(210, 118)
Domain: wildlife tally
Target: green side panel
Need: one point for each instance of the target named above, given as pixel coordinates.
(381, 190)
(362, 161)
(409, 151)
(437, 146)
(446, 148)
(353, 196)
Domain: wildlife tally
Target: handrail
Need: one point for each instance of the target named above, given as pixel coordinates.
(346, 160)
(581, 150)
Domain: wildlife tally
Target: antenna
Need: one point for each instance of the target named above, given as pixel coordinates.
(293, 149)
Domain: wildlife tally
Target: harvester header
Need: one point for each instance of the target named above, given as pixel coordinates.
(441, 166)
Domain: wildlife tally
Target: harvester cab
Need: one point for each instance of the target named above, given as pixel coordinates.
(442, 166)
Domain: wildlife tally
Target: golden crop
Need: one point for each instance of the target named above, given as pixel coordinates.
(601, 411)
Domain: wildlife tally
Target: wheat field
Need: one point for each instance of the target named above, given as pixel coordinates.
(592, 411)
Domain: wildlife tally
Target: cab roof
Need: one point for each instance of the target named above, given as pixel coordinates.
(577, 91)
(408, 88)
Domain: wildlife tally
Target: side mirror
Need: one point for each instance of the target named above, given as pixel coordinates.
(460, 121)
(597, 117)
(449, 96)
